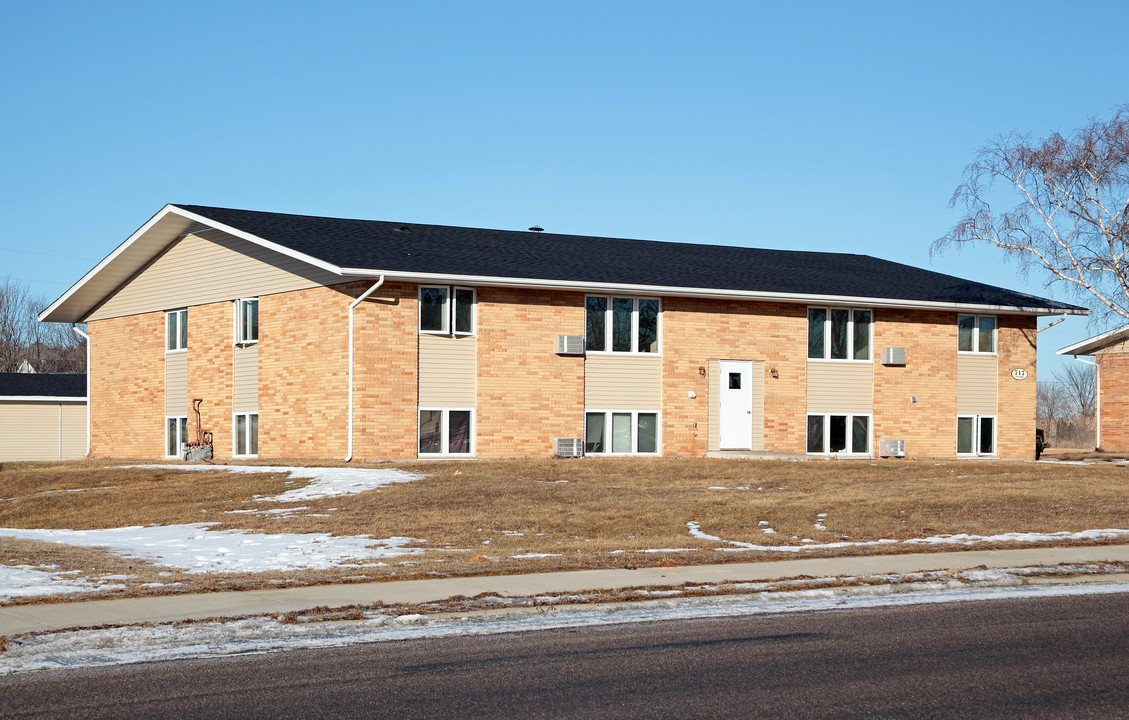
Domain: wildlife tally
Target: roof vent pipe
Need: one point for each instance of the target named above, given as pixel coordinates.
(352, 306)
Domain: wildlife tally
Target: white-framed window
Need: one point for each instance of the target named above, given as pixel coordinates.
(840, 333)
(976, 333)
(621, 432)
(176, 434)
(976, 435)
(246, 321)
(446, 310)
(839, 433)
(176, 330)
(622, 324)
(446, 431)
(246, 434)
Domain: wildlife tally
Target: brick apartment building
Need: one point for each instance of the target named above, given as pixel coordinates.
(1110, 352)
(299, 336)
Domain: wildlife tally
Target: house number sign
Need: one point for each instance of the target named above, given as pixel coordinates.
(1019, 374)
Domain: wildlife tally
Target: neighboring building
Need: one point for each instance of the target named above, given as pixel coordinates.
(1111, 384)
(42, 416)
(320, 337)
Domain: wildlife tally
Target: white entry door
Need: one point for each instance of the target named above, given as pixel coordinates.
(736, 404)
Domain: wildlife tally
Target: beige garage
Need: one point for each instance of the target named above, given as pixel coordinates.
(42, 416)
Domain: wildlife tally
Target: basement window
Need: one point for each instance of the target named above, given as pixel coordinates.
(838, 433)
(446, 431)
(621, 432)
(246, 434)
(976, 435)
(176, 434)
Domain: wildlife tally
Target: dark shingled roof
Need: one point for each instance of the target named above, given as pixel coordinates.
(436, 249)
(70, 385)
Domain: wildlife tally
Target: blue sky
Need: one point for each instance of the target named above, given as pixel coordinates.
(818, 126)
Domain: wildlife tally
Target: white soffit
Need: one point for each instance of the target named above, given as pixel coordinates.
(135, 253)
(1090, 345)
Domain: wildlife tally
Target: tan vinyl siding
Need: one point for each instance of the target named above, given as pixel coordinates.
(843, 387)
(713, 438)
(447, 370)
(176, 383)
(977, 384)
(42, 430)
(245, 388)
(623, 382)
(209, 267)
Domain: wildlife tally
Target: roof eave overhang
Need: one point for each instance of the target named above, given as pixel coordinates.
(722, 294)
(1092, 345)
(41, 398)
(136, 252)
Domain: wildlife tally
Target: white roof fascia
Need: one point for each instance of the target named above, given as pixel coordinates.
(1089, 345)
(709, 292)
(40, 398)
(282, 249)
(144, 230)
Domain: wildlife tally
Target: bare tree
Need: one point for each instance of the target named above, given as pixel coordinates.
(49, 347)
(1050, 404)
(1071, 216)
(1078, 383)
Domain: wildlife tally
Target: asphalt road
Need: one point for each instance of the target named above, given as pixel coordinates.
(1042, 658)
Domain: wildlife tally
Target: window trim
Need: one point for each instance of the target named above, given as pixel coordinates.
(240, 330)
(450, 310)
(976, 434)
(445, 432)
(976, 336)
(182, 427)
(634, 452)
(609, 314)
(850, 334)
(181, 318)
(850, 422)
(235, 434)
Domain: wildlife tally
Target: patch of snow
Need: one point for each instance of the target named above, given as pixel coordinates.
(545, 555)
(326, 481)
(196, 549)
(117, 646)
(21, 581)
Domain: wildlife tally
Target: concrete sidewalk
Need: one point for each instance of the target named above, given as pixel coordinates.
(167, 608)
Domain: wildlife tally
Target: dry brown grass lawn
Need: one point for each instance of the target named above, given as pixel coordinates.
(475, 516)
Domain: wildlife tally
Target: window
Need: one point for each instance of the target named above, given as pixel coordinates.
(443, 308)
(976, 435)
(839, 333)
(622, 324)
(247, 434)
(833, 433)
(176, 324)
(247, 321)
(621, 432)
(176, 434)
(446, 431)
(976, 333)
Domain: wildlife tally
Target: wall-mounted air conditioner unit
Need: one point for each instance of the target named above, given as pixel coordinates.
(893, 356)
(569, 345)
(892, 448)
(569, 447)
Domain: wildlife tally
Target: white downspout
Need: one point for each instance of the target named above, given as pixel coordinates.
(88, 373)
(1097, 400)
(352, 306)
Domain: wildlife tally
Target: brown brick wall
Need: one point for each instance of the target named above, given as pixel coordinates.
(928, 426)
(1114, 398)
(210, 369)
(527, 395)
(1015, 436)
(127, 386)
(386, 380)
(303, 372)
(695, 331)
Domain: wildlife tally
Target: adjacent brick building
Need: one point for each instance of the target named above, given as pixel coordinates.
(275, 335)
(1110, 352)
